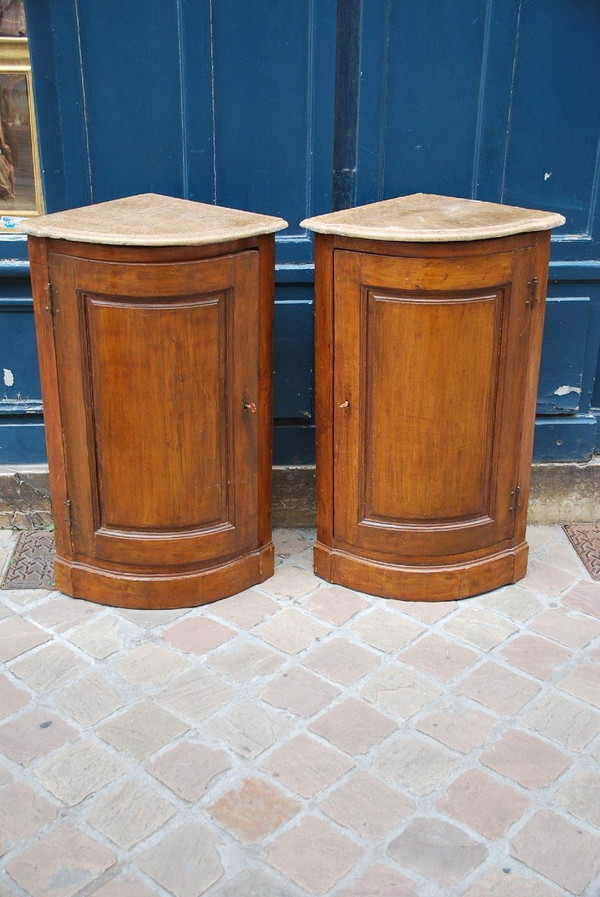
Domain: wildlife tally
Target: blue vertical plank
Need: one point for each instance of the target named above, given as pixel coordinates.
(266, 90)
(132, 98)
(198, 99)
(552, 159)
(430, 109)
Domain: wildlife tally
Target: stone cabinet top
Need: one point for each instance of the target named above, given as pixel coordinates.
(152, 220)
(427, 218)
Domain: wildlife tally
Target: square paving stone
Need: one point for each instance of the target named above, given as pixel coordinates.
(254, 810)
(11, 697)
(537, 656)
(380, 881)
(127, 886)
(18, 636)
(479, 627)
(438, 657)
(151, 664)
(246, 609)
(79, 770)
(585, 598)
(583, 683)
(342, 661)
(367, 806)
(438, 850)
(292, 631)
(563, 852)
(413, 763)
(462, 731)
(401, 692)
(498, 688)
(299, 691)
(257, 883)
(187, 769)
(513, 602)
(306, 766)
(547, 580)
(567, 722)
(89, 700)
(101, 637)
(22, 814)
(581, 796)
(32, 735)
(353, 726)
(197, 867)
(249, 729)
(487, 806)
(386, 630)
(566, 627)
(336, 604)
(498, 883)
(61, 864)
(246, 662)
(290, 583)
(196, 694)
(61, 614)
(50, 667)
(129, 813)
(142, 730)
(332, 855)
(198, 635)
(526, 759)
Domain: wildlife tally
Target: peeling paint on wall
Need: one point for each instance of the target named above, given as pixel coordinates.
(565, 390)
(9, 379)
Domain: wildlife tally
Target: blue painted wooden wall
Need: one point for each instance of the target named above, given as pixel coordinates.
(237, 103)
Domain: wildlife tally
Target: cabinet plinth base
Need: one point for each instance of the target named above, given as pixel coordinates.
(421, 583)
(164, 590)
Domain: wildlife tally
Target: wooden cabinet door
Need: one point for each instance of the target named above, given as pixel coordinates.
(163, 358)
(429, 382)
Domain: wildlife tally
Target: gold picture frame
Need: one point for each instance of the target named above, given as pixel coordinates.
(20, 172)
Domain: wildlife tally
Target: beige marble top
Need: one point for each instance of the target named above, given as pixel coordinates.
(427, 218)
(152, 220)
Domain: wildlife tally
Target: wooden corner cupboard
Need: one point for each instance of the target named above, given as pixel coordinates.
(428, 324)
(154, 326)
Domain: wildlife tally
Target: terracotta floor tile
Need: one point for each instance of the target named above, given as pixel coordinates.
(254, 810)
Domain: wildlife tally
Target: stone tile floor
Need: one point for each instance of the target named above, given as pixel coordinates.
(302, 739)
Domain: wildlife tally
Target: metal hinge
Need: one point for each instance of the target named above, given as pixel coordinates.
(533, 293)
(50, 305)
(516, 498)
(69, 511)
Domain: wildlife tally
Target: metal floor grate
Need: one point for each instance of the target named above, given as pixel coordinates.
(585, 539)
(32, 564)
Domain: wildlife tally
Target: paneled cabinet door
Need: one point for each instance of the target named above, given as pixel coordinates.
(430, 376)
(161, 467)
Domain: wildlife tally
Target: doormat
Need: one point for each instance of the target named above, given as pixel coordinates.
(32, 564)
(585, 539)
